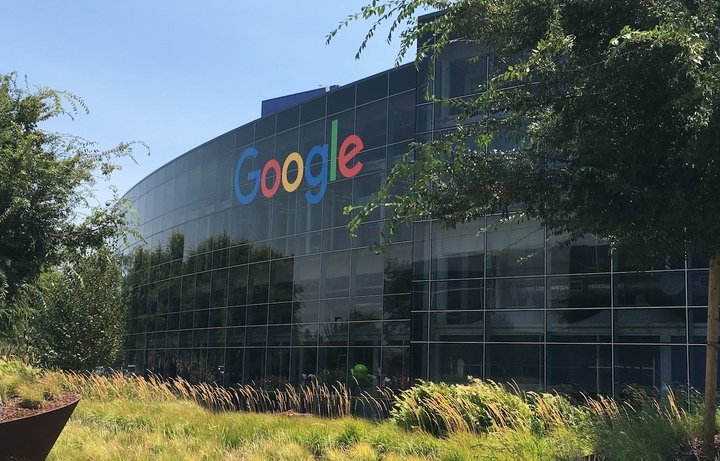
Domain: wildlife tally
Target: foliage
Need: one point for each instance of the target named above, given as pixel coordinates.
(134, 418)
(79, 312)
(441, 408)
(46, 179)
(31, 386)
(614, 107)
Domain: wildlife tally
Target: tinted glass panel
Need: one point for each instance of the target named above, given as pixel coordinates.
(650, 289)
(579, 325)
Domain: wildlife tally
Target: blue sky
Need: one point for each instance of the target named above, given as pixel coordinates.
(175, 74)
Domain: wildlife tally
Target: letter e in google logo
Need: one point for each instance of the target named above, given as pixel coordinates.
(338, 159)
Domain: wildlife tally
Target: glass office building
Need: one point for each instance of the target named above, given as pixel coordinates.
(249, 274)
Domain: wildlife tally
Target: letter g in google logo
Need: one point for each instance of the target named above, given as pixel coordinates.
(339, 159)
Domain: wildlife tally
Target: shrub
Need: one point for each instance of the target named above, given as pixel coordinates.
(441, 409)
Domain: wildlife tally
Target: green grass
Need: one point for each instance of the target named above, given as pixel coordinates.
(135, 419)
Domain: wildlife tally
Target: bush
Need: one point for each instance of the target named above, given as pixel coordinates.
(441, 409)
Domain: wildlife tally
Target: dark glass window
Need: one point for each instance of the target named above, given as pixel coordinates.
(279, 335)
(365, 308)
(237, 286)
(372, 88)
(518, 363)
(305, 334)
(280, 313)
(395, 367)
(281, 280)
(515, 325)
(235, 337)
(258, 281)
(525, 293)
(579, 325)
(372, 124)
(332, 365)
(341, 99)
(458, 252)
(264, 127)
(216, 337)
(254, 370)
(256, 336)
(397, 271)
(311, 135)
(236, 316)
(366, 273)
(333, 310)
(457, 295)
(514, 248)
(396, 333)
(401, 117)
(650, 325)
(202, 291)
(453, 363)
(585, 255)
(200, 318)
(650, 289)
(649, 366)
(403, 78)
(421, 250)
(460, 72)
(698, 288)
(333, 334)
(289, 118)
(397, 307)
(579, 291)
(456, 326)
(245, 135)
(257, 315)
(217, 317)
(303, 363)
(698, 325)
(337, 197)
(219, 288)
(336, 274)
(575, 368)
(312, 110)
(365, 333)
(306, 311)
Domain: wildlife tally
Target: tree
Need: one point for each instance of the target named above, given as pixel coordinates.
(46, 181)
(79, 312)
(615, 109)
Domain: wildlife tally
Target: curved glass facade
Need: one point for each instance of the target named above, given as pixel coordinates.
(249, 274)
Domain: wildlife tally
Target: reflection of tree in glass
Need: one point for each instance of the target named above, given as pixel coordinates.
(153, 273)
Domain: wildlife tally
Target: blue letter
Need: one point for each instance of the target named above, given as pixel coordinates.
(254, 175)
(320, 180)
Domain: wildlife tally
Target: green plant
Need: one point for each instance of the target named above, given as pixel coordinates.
(30, 396)
(441, 409)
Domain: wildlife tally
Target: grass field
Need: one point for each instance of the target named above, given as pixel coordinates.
(138, 419)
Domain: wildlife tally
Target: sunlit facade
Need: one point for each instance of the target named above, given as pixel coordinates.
(248, 273)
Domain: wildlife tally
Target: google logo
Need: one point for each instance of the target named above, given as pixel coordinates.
(268, 184)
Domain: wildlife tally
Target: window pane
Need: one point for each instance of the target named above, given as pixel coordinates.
(528, 293)
(519, 363)
(458, 252)
(453, 363)
(515, 325)
(650, 289)
(456, 326)
(515, 248)
(575, 368)
(457, 295)
(650, 325)
(579, 325)
(579, 291)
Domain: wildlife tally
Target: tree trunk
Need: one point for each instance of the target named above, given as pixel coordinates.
(708, 437)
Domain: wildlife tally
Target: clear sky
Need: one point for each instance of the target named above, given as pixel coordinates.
(175, 74)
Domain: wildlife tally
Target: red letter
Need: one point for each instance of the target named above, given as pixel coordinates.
(274, 165)
(344, 156)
